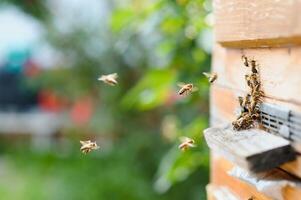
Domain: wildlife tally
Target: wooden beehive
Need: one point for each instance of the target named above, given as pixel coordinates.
(268, 31)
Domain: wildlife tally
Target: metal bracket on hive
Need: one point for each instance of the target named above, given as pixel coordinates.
(282, 121)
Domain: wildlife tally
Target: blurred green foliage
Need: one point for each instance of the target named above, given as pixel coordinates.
(152, 45)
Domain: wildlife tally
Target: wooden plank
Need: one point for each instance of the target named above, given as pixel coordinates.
(253, 149)
(293, 167)
(224, 103)
(257, 23)
(219, 193)
(220, 177)
(279, 71)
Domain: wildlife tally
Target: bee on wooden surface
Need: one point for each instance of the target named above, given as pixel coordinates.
(186, 143)
(245, 60)
(186, 88)
(245, 121)
(248, 80)
(110, 79)
(254, 65)
(88, 146)
(240, 100)
(211, 76)
(251, 198)
(244, 102)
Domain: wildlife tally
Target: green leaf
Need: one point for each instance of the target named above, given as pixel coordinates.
(151, 91)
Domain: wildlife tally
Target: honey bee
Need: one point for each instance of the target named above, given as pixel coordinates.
(186, 143)
(88, 146)
(251, 198)
(186, 88)
(110, 79)
(244, 121)
(243, 102)
(254, 65)
(211, 76)
(245, 60)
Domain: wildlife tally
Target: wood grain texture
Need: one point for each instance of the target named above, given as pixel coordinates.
(252, 149)
(220, 177)
(257, 23)
(224, 103)
(293, 167)
(219, 193)
(279, 71)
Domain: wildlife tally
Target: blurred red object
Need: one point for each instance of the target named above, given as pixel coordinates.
(82, 110)
(48, 101)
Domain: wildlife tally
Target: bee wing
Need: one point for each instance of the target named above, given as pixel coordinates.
(181, 84)
(84, 142)
(191, 145)
(101, 78)
(194, 89)
(114, 75)
(184, 139)
(208, 75)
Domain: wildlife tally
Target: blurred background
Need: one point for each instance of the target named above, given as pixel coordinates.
(51, 54)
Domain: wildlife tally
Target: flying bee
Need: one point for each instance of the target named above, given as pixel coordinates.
(211, 76)
(186, 143)
(245, 60)
(110, 79)
(186, 88)
(88, 146)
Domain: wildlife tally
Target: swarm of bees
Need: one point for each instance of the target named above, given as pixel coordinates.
(186, 143)
(250, 103)
(88, 146)
(110, 79)
(185, 89)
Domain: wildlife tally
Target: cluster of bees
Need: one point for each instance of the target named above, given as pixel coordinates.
(250, 103)
(185, 89)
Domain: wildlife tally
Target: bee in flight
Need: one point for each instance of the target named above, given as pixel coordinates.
(88, 146)
(110, 79)
(186, 88)
(186, 143)
(211, 76)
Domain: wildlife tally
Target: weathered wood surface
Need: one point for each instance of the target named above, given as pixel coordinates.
(279, 71)
(219, 193)
(253, 149)
(224, 103)
(293, 167)
(257, 23)
(220, 177)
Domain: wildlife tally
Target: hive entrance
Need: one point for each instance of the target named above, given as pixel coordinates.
(281, 121)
